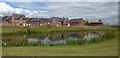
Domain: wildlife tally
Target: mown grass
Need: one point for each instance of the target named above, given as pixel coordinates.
(27, 30)
(105, 48)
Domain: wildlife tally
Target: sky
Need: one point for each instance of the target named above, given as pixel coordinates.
(106, 11)
(60, 0)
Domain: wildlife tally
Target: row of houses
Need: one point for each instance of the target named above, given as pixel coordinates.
(21, 20)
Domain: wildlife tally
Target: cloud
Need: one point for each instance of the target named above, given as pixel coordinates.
(59, 0)
(107, 11)
(6, 9)
(85, 10)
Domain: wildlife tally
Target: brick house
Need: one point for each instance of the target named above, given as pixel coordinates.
(14, 20)
(77, 22)
(19, 20)
(7, 21)
(27, 21)
(36, 21)
(44, 21)
(65, 22)
(56, 21)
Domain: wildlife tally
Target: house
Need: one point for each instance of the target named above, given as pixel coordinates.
(33, 21)
(37, 21)
(27, 21)
(95, 22)
(56, 21)
(14, 20)
(44, 21)
(77, 22)
(19, 19)
(0, 21)
(7, 21)
(65, 22)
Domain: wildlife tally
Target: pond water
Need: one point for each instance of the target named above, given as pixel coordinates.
(47, 38)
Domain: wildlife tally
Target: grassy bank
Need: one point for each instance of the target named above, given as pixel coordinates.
(29, 30)
(105, 48)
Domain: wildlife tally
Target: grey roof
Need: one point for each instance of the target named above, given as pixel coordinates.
(76, 20)
(44, 18)
(6, 17)
(35, 19)
(66, 19)
(57, 18)
(18, 16)
(0, 18)
(27, 19)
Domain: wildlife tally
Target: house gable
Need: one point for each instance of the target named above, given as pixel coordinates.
(13, 19)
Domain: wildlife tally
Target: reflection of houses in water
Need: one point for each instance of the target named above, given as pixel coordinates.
(37, 37)
(58, 36)
(52, 37)
(77, 35)
(14, 38)
(55, 37)
(90, 35)
(81, 35)
(64, 35)
(46, 40)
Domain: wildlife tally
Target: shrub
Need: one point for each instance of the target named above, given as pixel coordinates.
(71, 42)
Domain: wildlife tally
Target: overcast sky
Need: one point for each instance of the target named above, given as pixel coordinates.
(106, 11)
(60, 0)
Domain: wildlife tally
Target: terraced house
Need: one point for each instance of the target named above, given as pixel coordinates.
(14, 20)
(21, 20)
(77, 22)
(56, 21)
(37, 21)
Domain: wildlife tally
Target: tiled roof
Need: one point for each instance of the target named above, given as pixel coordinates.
(76, 20)
(6, 17)
(0, 18)
(18, 16)
(27, 19)
(44, 19)
(35, 19)
(65, 19)
(57, 18)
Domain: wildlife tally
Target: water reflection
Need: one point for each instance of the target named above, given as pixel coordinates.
(46, 38)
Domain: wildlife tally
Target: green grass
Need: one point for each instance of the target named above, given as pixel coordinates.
(105, 48)
(27, 30)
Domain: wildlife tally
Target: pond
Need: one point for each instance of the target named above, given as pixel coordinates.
(52, 38)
